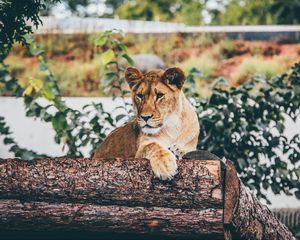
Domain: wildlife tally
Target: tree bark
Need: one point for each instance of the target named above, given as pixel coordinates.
(111, 196)
(245, 217)
(114, 182)
(206, 199)
(189, 223)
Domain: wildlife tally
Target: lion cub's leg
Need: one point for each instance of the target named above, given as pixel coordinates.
(162, 161)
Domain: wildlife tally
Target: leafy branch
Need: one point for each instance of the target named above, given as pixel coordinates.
(74, 129)
(113, 80)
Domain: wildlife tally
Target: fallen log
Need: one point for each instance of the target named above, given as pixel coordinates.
(112, 181)
(111, 196)
(244, 216)
(205, 200)
(112, 219)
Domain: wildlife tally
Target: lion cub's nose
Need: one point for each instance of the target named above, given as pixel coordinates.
(146, 118)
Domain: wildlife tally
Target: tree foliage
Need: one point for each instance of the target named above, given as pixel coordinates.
(248, 12)
(232, 12)
(192, 12)
(143, 10)
(246, 124)
(13, 26)
(85, 8)
(187, 11)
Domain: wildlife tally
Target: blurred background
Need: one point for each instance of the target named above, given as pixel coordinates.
(228, 40)
(185, 33)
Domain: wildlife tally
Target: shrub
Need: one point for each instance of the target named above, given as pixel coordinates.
(246, 125)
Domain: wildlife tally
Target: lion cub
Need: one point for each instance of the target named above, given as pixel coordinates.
(166, 125)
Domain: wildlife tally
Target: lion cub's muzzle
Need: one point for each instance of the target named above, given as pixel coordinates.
(146, 121)
(148, 124)
(146, 117)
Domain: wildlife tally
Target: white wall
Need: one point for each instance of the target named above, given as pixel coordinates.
(92, 25)
(33, 134)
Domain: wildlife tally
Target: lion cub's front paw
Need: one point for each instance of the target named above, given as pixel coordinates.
(164, 166)
(177, 151)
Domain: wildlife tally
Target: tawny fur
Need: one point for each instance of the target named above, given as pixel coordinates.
(171, 131)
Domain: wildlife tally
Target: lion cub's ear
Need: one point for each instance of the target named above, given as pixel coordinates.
(174, 76)
(132, 76)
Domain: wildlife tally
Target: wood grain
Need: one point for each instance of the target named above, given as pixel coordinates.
(115, 182)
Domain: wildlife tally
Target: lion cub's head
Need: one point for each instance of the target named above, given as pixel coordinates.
(155, 95)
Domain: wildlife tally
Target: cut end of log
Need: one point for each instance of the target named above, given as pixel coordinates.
(231, 191)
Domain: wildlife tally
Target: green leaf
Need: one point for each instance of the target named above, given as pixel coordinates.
(48, 94)
(112, 63)
(218, 81)
(125, 92)
(107, 56)
(195, 72)
(109, 76)
(59, 122)
(265, 184)
(110, 120)
(122, 46)
(8, 140)
(121, 116)
(242, 163)
(275, 188)
(128, 58)
(101, 40)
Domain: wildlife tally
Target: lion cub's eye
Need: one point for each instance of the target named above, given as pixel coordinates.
(159, 95)
(140, 95)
